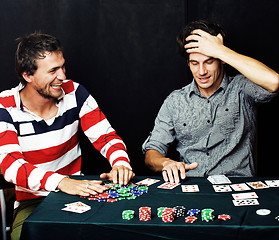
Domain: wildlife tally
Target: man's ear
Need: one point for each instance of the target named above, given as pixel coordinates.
(27, 77)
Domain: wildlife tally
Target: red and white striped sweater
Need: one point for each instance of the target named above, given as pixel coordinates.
(36, 154)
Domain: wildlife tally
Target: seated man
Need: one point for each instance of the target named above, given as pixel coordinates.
(39, 122)
(213, 119)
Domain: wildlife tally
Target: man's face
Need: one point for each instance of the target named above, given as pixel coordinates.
(47, 79)
(207, 72)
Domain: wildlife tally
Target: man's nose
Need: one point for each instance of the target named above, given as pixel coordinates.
(61, 74)
(202, 69)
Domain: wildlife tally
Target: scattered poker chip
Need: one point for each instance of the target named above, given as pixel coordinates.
(117, 192)
(145, 213)
(112, 200)
(224, 217)
(101, 200)
(191, 219)
(263, 212)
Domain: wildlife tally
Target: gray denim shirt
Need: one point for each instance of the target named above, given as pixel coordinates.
(217, 132)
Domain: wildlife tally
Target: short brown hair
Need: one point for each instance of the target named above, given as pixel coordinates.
(32, 47)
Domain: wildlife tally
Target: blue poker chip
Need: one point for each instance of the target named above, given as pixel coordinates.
(101, 200)
(193, 212)
(137, 194)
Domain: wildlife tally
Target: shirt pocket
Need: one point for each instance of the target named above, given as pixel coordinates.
(227, 117)
(183, 131)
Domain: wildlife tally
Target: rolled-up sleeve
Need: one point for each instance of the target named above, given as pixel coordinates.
(162, 134)
(256, 92)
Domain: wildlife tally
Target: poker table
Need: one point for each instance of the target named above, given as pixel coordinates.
(104, 220)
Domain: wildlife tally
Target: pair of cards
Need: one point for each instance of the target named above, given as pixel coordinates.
(184, 188)
(228, 188)
(150, 181)
(76, 207)
(245, 199)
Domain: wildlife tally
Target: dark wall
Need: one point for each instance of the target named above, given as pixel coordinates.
(124, 52)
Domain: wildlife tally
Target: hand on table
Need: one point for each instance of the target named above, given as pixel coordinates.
(80, 187)
(172, 168)
(119, 174)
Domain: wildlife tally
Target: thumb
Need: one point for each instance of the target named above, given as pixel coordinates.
(220, 37)
(105, 176)
(191, 166)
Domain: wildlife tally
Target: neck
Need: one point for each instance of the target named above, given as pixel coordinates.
(43, 107)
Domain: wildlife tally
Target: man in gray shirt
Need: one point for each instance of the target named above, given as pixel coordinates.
(213, 119)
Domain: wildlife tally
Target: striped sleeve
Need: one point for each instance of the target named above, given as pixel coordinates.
(14, 167)
(101, 134)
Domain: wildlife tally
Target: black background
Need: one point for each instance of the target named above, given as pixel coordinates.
(124, 53)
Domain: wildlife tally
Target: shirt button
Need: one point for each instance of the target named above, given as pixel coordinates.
(208, 121)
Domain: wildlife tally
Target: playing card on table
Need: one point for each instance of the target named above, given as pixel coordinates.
(222, 188)
(190, 188)
(244, 195)
(240, 187)
(257, 185)
(218, 179)
(76, 207)
(168, 185)
(272, 183)
(245, 202)
(147, 181)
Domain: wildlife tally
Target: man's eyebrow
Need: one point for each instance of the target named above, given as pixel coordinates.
(56, 68)
(209, 59)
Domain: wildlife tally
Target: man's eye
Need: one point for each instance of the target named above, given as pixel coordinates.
(210, 61)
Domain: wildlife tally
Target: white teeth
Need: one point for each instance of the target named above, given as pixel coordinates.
(56, 85)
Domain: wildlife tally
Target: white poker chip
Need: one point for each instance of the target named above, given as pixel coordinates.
(263, 212)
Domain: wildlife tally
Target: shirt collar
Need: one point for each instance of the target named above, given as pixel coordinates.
(194, 88)
(18, 100)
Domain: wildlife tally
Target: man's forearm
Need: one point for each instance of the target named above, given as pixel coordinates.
(155, 160)
(254, 70)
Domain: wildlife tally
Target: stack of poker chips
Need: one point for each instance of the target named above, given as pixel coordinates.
(192, 215)
(145, 213)
(168, 215)
(179, 211)
(207, 214)
(117, 192)
(128, 214)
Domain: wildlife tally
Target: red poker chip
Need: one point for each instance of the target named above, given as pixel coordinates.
(103, 195)
(92, 198)
(168, 215)
(224, 217)
(145, 213)
(112, 200)
(191, 219)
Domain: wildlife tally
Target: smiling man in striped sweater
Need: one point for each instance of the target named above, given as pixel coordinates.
(39, 122)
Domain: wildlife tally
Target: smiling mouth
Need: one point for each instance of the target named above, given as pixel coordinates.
(56, 86)
(204, 79)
